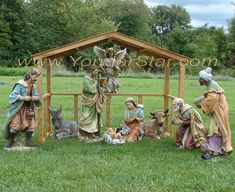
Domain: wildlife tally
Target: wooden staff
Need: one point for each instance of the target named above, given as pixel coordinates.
(98, 87)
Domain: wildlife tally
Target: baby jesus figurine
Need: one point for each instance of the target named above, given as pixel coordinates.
(113, 137)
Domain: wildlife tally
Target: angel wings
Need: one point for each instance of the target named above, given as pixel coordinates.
(109, 67)
(102, 55)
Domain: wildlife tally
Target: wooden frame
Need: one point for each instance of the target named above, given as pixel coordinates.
(44, 121)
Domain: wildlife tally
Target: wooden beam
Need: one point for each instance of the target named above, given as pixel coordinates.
(113, 94)
(140, 99)
(108, 98)
(69, 52)
(139, 49)
(181, 85)
(75, 107)
(153, 54)
(72, 46)
(110, 40)
(131, 47)
(162, 52)
(134, 94)
(114, 37)
(48, 78)
(44, 112)
(172, 126)
(48, 102)
(166, 91)
(40, 112)
(46, 95)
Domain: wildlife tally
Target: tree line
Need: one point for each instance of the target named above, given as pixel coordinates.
(31, 26)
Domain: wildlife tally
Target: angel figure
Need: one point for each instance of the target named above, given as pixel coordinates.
(109, 67)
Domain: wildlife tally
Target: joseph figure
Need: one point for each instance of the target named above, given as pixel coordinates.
(92, 100)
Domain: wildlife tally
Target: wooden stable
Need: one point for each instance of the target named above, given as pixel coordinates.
(44, 121)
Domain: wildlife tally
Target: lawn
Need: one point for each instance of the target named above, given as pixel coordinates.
(149, 165)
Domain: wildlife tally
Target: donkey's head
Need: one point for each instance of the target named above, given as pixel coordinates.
(160, 117)
(56, 117)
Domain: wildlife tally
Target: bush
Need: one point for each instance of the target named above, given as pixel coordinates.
(19, 71)
(229, 72)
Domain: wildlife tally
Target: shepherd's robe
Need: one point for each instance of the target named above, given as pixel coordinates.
(19, 89)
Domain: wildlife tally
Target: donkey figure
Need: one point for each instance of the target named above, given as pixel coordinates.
(62, 128)
(154, 128)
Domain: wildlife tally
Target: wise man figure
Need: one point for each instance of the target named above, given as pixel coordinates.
(215, 106)
(23, 99)
(109, 67)
(190, 133)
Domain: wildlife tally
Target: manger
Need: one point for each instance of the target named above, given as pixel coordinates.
(131, 43)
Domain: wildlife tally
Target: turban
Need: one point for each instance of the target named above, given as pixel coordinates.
(206, 74)
(178, 101)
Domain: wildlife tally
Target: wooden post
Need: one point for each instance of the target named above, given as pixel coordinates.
(75, 108)
(140, 100)
(181, 81)
(172, 126)
(108, 111)
(40, 112)
(166, 90)
(48, 102)
(44, 112)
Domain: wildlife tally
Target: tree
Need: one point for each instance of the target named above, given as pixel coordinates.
(179, 40)
(231, 42)
(166, 19)
(133, 17)
(210, 42)
(13, 24)
(5, 40)
(59, 22)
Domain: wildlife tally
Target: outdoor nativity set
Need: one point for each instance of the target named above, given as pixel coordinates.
(100, 83)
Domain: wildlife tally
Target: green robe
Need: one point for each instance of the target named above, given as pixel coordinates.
(91, 107)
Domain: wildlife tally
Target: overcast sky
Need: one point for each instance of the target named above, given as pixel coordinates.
(214, 12)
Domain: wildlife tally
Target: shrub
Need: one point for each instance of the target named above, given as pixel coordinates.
(19, 71)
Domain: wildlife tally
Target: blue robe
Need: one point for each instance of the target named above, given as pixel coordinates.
(137, 113)
(19, 89)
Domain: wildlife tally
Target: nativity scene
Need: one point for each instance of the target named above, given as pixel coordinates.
(100, 84)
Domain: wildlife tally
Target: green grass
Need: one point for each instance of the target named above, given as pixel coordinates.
(66, 165)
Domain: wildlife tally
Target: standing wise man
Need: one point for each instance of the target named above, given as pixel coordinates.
(109, 67)
(23, 99)
(215, 106)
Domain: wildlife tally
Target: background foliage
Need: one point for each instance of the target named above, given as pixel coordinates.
(28, 27)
